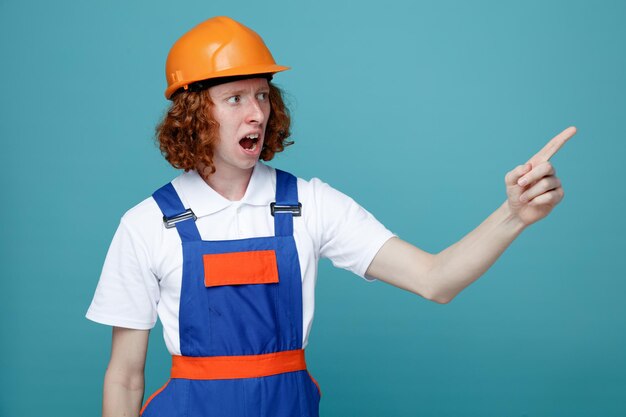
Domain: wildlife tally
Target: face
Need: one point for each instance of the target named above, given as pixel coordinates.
(242, 109)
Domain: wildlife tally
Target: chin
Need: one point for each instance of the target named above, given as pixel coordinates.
(248, 164)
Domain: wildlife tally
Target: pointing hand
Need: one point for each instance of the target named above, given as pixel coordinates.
(533, 189)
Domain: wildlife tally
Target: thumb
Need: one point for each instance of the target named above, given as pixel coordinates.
(513, 176)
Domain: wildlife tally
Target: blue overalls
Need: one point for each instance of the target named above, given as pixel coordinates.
(240, 321)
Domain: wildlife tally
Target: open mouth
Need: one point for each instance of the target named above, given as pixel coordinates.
(249, 143)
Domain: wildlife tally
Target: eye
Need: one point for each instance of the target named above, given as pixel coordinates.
(261, 96)
(234, 99)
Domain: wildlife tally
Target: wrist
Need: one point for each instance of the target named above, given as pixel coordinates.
(510, 219)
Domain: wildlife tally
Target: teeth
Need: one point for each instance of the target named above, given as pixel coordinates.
(253, 136)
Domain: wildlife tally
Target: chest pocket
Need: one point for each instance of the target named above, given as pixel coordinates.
(239, 268)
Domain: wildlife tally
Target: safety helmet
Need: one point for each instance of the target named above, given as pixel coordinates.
(216, 48)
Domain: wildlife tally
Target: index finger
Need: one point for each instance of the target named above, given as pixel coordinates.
(553, 146)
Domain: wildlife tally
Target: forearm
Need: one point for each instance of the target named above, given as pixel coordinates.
(464, 262)
(122, 394)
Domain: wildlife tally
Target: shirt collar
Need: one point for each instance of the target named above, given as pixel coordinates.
(204, 200)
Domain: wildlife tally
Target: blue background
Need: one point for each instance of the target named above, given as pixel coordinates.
(415, 109)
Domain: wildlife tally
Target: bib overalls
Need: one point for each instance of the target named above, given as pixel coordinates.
(240, 321)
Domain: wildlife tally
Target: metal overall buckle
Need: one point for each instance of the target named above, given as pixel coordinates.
(185, 215)
(296, 210)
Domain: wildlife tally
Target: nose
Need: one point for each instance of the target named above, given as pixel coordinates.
(255, 115)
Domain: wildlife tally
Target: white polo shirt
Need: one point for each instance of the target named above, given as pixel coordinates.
(142, 274)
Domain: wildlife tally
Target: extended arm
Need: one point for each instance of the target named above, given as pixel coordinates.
(124, 377)
(442, 276)
(533, 191)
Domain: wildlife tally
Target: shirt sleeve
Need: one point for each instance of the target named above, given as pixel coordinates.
(128, 292)
(350, 235)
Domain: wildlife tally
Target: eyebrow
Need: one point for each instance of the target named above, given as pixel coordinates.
(232, 93)
(229, 93)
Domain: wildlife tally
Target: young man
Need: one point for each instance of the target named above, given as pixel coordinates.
(226, 255)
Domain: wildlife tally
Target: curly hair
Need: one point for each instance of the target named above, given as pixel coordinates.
(188, 131)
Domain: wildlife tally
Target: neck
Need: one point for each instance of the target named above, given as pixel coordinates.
(231, 185)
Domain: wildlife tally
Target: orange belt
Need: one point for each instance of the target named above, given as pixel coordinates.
(234, 367)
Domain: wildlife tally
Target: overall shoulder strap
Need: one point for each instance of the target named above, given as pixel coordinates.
(175, 214)
(286, 205)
